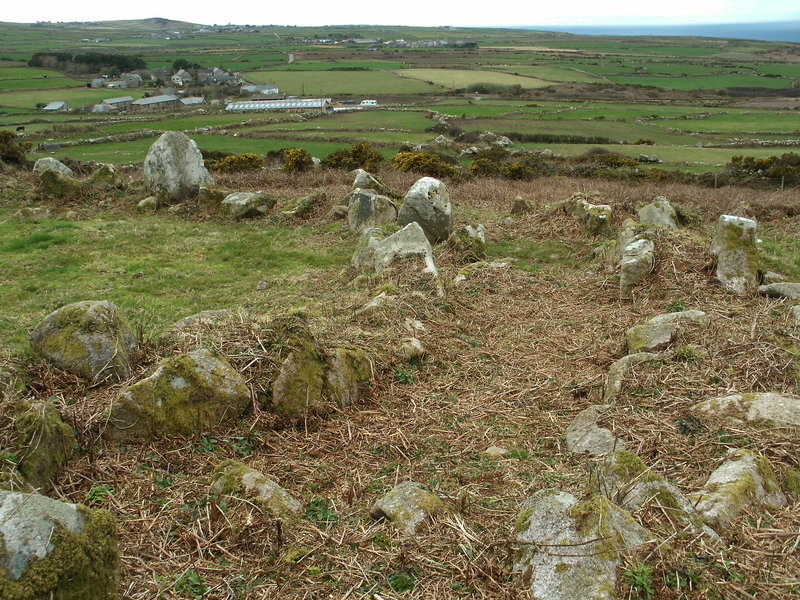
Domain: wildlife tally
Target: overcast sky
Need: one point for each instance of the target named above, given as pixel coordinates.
(412, 12)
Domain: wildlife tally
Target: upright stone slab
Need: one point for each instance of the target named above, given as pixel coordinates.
(90, 339)
(174, 169)
(736, 252)
(367, 181)
(659, 213)
(247, 205)
(52, 549)
(41, 440)
(428, 203)
(638, 259)
(49, 163)
(366, 208)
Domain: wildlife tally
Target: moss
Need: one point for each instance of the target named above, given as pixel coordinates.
(627, 467)
(43, 442)
(523, 520)
(59, 185)
(105, 176)
(81, 566)
(791, 481)
(227, 477)
(593, 519)
(466, 247)
(349, 368)
(563, 567)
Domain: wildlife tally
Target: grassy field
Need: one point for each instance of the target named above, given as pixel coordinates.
(77, 97)
(462, 78)
(326, 83)
(549, 73)
(711, 82)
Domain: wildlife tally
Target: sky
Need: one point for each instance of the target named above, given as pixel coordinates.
(507, 13)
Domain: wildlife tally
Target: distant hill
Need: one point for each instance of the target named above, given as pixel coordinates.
(152, 22)
(778, 31)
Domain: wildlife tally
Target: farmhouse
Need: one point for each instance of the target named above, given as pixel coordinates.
(182, 78)
(216, 76)
(154, 103)
(57, 107)
(120, 102)
(323, 105)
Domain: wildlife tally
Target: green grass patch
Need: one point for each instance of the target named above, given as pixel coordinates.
(327, 83)
(463, 78)
(535, 256)
(77, 97)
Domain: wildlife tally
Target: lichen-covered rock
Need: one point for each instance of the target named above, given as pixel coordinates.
(210, 196)
(236, 479)
(367, 181)
(620, 370)
(105, 176)
(90, 339)
(52, 549)
(585, 435)
(638, 259)
(596, 218)
(247, 205)
(32, 213)
(659, 213)
(147, 204)
(411, 349)
(48, 163)
(299, 387)
(745, 480)
(428, 204)
(376, 252)
(58, 185)
(585, 542)
(521, 206)
(305, 206)
(736, 252)
(366, 208)
(657, 333)
(186, 393)
(624, 478)
(770, 408)
(468, 243)
(42, 442)
(349, 373)
(408, 505)
(780, 290)
(174, 169)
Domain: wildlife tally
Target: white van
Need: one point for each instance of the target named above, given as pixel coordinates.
(369, 103)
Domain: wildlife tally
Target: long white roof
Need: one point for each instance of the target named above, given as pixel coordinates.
(278, 104)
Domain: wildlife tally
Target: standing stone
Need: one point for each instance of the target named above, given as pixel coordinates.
(368, 181)
(349, 373)
(521, 206)
(49, 163)
(375, 253)
(582, 545)
(89, 339)
(174, 169)
(59, 185)
(620, 370)
(366, 208)
(428, 203)
(468, 243)
(659, 213)
(745, 480)
(186, 393)
(52, 549)
(32, 213)
(596, 218)
(638, 259)
(736, 252)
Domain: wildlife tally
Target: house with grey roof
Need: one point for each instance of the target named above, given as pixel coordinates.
(182, 78)
(57, 107)
(132, 80)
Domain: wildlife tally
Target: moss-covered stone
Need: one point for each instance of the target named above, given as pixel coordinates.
(80, 556)
(521, 206)
(407, 506)
(105, 177)
(58, 185)
(468, 244)
(596, 218)
(234, 478)
(89, 339)
(736, 252)
(187, 393)
(211, 196)
(349, 371)
(42, 441)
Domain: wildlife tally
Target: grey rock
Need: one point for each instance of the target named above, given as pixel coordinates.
(619, 371)
(638, 259)
(236, 479)
(378, 304)
(339, 212)
(585, 435)
(495, 452)
(43, 441)
(211, 196)
(375, 253)
(428, 204)
(174, 169)
(90, 339)
(408, 505)
(521, 206)
(411, 349)
(247, 205)
(659, 213)
(769, 407)
(584, 543)
(366, 208)
(736, 252)
(49, 163)
(596, 218)
(349, 373)
(796, 313)
(780, 290)
(148, 204)
(34, 213)
(657, 333)
(745, 480)
(367, 181)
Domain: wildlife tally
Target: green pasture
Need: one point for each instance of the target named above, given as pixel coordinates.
(328, 83)
(339, 65)
(550, 73)
(38, 84)
(710, 82)
(754, 121)
(77, 97)
(364, 119)
(21, 72)
(461, 78)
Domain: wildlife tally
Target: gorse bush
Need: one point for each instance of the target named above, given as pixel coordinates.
(360, 156)
(238, 163)
(786, 166)
(296, 160)
(424, 163)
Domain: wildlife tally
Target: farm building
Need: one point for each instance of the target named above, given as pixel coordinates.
(97, 83)
(116, 84)
(161, 73)
(120, 102)
(216, 76)
(131, 80)
(323, 105)
(57, 107)
(182, 77)
(154, 103)
(265, 89)
(193, 100)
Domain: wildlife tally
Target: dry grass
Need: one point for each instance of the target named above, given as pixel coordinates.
(512, 356)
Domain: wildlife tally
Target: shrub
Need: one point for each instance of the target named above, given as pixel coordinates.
(518, 170)
(296, 160)
(238, 163)
(12, 151)
(360, 156)
(601, 156)
(424, 163)
(485, 167)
